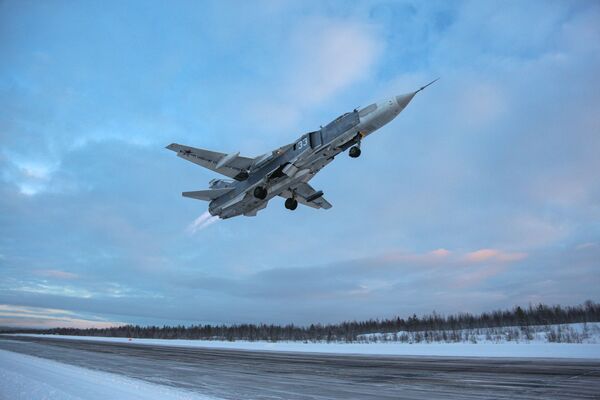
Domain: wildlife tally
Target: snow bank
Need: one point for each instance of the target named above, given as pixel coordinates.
(26, 377)
(560, 333)
(504, 349)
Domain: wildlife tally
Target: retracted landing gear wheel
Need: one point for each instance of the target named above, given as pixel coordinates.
(291, 204)
(260, 192)
(354, 152)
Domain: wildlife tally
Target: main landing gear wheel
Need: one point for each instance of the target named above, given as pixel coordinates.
(260, 192)
(291, 204)
(354, 152)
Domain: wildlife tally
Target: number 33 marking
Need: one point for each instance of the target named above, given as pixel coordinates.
(303, 143)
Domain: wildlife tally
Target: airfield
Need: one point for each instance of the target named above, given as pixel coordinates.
(235, 374)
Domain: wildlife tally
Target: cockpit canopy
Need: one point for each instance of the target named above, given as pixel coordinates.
(367, 110)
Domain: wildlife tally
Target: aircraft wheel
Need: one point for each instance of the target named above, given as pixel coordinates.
(260, 192)
(354, 152)
(291, 204)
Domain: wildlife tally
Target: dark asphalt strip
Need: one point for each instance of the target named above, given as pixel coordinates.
(238, 374)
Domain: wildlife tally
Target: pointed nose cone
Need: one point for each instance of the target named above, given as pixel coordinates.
(404, 99)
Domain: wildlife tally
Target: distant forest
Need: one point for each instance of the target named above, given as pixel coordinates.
(540, 314)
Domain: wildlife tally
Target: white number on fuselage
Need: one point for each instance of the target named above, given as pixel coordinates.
(302, 143)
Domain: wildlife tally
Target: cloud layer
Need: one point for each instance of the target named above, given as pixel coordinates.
(482, 194)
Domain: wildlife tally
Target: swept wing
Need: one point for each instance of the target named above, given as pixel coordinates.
(307, 195)
(231, 165)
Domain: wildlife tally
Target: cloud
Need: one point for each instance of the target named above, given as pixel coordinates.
(38, 317)
(377, 286)
(30, 176)
(56, 273)
(52, 289)
(471, 278)
(484, 103)
(353, 276)
(323, 58)
(441, 252)
(587, 245)
(493, 255)
(500, 157)
(336, 54)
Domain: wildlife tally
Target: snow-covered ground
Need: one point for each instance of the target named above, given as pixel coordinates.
(26, 377)
(482, 348)
(563, 333)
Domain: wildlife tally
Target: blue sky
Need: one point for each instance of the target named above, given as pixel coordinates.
(484, 193)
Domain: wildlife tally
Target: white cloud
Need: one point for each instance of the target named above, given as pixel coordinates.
(28, 189)
(39, 317)
(441, 252)
(328, 57)
(56, 273)
(493, 255)
(30, 176)
(587, 245)
(56, 290)
(480, 104)
(323, 58)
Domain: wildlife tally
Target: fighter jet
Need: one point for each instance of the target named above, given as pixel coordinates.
(285, 172)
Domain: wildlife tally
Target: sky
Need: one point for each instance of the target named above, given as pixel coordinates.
(483, 194)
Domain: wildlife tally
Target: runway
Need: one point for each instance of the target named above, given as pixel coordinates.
(235, 374)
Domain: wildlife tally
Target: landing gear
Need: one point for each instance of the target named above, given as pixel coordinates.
(354, 151)
(260, 192)
(291, 204)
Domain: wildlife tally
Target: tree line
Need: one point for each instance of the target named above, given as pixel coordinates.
(349, 331)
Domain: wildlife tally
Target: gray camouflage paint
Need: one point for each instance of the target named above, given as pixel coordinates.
(287, 170)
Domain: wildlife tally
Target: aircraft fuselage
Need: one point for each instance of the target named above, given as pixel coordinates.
(286, 171)
(306, 157)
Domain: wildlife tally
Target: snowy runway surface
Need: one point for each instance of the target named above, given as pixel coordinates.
(236, 374)
(24, 377)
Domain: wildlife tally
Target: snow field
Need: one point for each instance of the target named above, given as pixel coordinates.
(461, 349)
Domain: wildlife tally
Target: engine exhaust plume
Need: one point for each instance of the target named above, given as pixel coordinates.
(201, 222)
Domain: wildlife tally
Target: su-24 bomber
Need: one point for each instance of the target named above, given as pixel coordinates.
(285, 172)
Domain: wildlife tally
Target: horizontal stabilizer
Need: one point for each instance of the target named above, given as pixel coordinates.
(207, 195)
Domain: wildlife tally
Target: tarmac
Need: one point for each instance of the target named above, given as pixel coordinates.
(241, 374)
